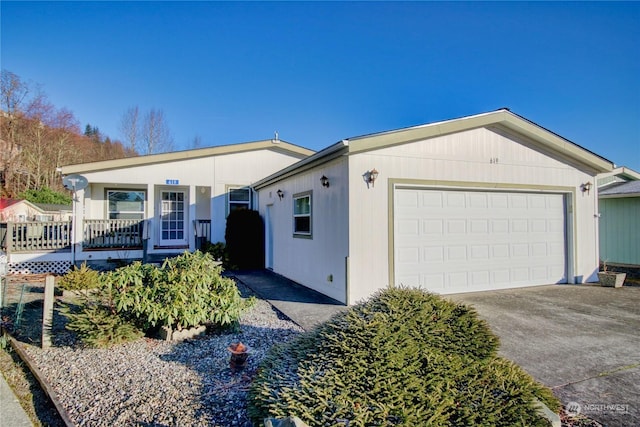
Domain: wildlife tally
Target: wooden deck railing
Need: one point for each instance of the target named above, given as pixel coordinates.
(112, 233)
(35, 236)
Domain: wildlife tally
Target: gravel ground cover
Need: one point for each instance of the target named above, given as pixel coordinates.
(150, 382)
(155, 383)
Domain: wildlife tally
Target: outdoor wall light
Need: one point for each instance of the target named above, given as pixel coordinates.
(371, 177)
(280, 194)
(586, 187)
(324, 181)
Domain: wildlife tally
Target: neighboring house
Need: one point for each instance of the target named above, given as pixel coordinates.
(16, 210)
(619, 199)
(160, 205)
(55, 212)
(489, 201)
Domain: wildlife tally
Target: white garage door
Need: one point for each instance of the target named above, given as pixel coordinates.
(450, 241)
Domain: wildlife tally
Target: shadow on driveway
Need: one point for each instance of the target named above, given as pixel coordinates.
(302, 305)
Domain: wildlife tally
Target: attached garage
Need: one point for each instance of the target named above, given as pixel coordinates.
(483, 202)
(457, 240)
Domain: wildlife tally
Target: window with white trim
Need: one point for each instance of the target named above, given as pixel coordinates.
(239, 198)
(125, 204)
(302, 214)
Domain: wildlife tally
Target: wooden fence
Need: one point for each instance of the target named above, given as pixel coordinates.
(113, 233)
(35, 236)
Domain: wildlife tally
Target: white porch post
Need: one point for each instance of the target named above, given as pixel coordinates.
(191, 218)
(77, 225)
(151, 216)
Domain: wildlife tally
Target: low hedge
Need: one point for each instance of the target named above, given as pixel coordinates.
(404, 357)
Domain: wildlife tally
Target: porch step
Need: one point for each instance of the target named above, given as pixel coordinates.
(159, 258)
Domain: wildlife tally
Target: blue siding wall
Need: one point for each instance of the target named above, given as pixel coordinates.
(620, 230)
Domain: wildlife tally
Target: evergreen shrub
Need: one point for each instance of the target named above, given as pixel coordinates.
(80, 279)
(244, 236)
(404, 357)
(185, 291)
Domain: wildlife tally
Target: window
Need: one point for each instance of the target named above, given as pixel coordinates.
(302, 214)
(239, 198)
(126, 204)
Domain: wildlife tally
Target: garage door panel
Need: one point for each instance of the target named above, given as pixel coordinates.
(433, 254)
(479, 226)
(499, 226)
(433, 226)
(455, 200)
(408, 255)
(431, 199)
(477, 240)
(457, 226)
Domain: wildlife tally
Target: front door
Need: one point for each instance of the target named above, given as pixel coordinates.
(173, 220)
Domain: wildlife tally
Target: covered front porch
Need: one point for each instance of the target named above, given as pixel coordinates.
(48, 247)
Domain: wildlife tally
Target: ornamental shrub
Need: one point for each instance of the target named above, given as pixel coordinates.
(404, 357)
(244, 236)
(80, 279)
(185, 291)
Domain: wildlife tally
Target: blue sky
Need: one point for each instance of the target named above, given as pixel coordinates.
(318, 72)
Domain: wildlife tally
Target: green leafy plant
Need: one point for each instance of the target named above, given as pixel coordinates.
(185, 291)
(217, 250)
(79, 279)
(244, 234)
(98, 325)
(404, 357)
(46, 195)
(93, 315)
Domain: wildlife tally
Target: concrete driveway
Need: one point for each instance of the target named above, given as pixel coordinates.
(582, 341)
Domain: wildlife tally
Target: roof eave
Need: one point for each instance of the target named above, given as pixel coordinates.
(622, 171)
(333, 151)
(501, 118)
(618, 195)
(280, 146)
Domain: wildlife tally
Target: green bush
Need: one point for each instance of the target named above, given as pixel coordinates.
(404, 357)
(244, 236)
(80, 279)
(217, 250)
(98, 324)
(186, 291)
(46, 195)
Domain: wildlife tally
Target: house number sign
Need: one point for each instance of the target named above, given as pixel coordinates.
(172, 181)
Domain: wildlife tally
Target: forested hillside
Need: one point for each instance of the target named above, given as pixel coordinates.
(36, 137)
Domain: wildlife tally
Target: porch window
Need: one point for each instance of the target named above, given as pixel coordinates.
(126, 204)
(239, 198)
(302, 215)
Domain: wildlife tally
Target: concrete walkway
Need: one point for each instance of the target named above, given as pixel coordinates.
(13, 415)
(302, 305)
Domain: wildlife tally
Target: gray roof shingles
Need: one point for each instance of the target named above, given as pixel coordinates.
(629, 187)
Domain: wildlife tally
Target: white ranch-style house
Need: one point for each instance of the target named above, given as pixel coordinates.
(155, 206)
(482, 202)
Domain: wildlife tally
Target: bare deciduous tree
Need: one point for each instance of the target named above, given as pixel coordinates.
(130, 129)
(156, 136)
(37, 137)
(147, 135)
